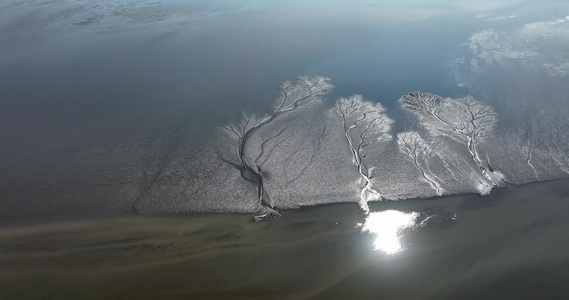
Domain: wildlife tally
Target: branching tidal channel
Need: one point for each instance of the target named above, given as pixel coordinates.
(306, 91)
(452, 126)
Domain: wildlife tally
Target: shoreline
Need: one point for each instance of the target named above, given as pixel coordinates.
(23, 223)
(460, 247)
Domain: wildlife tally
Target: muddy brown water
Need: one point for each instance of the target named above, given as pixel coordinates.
(512, 244)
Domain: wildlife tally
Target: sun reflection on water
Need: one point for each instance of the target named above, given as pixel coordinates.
(388, 227)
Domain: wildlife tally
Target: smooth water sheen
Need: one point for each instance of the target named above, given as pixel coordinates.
(506, 245)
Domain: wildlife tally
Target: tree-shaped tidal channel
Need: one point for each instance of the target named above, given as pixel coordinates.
(416, 149)
(365, 125)
(293, 96)
(465, 120)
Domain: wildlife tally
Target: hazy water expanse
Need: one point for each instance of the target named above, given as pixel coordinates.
(105, 104)
(509, 245)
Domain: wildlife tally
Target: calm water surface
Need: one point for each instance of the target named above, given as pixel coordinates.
(508, 245)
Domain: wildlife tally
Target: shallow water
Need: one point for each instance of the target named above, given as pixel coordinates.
(510, 244)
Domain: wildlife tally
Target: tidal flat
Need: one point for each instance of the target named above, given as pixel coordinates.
(511, 244)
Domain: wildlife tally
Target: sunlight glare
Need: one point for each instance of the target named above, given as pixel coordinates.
(388, 228)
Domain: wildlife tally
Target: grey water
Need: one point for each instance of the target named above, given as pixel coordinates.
(509, 245)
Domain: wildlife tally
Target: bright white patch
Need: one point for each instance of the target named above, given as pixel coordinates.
(541, 45)
(388, 227)
(501, 18)
(484, 188)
